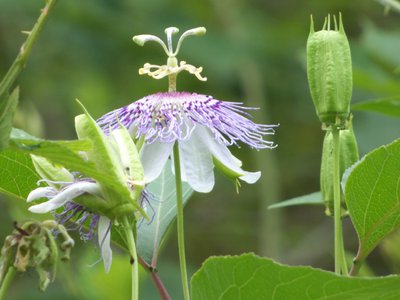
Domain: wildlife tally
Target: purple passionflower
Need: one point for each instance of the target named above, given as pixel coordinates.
(96, 202)
(62, 194)
(203, 127)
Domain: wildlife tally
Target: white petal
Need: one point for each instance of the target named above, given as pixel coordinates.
(153, 157)
(231, 165)
(104, 237)
(250, 177)
(196, 163)
(68, 194)
(41, 192)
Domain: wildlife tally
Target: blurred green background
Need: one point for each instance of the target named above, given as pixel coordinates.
(254, 51)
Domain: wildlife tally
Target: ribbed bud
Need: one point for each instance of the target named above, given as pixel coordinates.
(329, 72)
(348, 156)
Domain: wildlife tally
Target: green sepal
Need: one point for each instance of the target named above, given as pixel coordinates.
(228, 172)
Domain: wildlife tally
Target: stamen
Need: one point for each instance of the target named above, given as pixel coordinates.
(143, 38)
(169, 32)
(199, 31)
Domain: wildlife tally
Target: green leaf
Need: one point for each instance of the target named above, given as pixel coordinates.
(251, 277)
(387, 106)
(372, 194)
(17, 173)
(8, 105)
(65, 153)
(150, 234)
(310, 199)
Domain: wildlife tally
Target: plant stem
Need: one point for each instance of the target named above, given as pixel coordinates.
(162, 290)
(340, 260)
(130, 241)
(355, 268)
(20, 60)
(7, 281)
(179, 198)
(160, 286)
(179, 218)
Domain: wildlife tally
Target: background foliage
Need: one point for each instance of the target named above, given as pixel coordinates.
(254, 51)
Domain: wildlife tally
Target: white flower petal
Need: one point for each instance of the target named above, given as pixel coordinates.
(104, 237)
(196, 163)
(231, 166)
(250, 177)
(67, 194)
(153, 157)
(41, 192)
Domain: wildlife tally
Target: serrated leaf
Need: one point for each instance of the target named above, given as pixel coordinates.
(310, 199)
(17, 173)
(387, 106)
(251, 277)
(150, 234)
(372, 194)
(8, 105)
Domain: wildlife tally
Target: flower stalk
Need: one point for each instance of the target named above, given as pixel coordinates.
(172, 62)
(180, 222)
(11, 272)
(130, 241)
(340, 259)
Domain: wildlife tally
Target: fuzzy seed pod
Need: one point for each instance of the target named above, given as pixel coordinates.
(329, 72)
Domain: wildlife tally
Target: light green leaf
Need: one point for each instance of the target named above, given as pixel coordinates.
(310, 199)
(372, 194)
(8, 105)
(162, 213)
(18, 176)
(387, 106)
(251, 277)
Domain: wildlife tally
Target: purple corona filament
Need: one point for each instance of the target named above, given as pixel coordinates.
(172, 116)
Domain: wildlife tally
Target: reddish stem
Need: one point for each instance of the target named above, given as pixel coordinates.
(156, 279)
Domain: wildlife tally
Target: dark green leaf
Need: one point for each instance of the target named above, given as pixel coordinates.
(372, 196)
(251, 277)
(310, 199)
(18, 176)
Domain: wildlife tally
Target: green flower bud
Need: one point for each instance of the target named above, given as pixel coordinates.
(348, 156)
(329, 72)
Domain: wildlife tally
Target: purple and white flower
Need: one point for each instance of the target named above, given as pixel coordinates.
(64, 197)
(203, 127)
